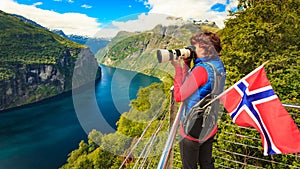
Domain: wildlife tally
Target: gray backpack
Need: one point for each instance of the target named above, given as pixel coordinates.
(200, 121)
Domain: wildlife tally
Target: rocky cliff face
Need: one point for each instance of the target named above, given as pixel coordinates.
(36, 63)
(137, 51)
(35, 82)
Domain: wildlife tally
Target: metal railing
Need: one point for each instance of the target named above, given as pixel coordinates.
(170, 141)
(168, 146)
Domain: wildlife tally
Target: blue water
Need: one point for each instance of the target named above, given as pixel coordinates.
(41, 136)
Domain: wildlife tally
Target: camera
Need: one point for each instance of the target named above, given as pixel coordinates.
(164, 55)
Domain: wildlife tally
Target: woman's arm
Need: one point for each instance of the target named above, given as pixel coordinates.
(185, 88)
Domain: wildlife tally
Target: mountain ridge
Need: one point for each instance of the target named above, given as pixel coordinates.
(137, 51)
(93, 43)
(35, 63)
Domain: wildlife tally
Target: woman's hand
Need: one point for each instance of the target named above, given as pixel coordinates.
(187, 61)
(177, 63)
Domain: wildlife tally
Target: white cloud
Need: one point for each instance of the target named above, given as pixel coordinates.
(70, 23)
(81, 24)
(37, 4)
(142, 23)
(160, 9)
(199, 9)
(107, 32)
(145, 22)
(86, 6)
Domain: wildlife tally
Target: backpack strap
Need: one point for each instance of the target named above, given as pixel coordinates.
(216, 84)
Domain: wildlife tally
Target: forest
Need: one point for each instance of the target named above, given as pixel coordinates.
(259, 31)
(22, 44)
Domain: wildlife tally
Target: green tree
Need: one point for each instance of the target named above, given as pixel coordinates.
(261, 31)
(268, 31)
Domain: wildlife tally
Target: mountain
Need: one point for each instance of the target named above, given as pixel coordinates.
(27, 20)
(94, 44)
(59, 32)
(137, 51)
(35, 63)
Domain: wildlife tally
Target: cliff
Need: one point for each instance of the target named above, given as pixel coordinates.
(35, 63)
(137, 51)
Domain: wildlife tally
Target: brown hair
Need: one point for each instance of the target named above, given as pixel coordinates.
(209, 41)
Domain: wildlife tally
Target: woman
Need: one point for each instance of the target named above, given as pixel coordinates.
(191, 87)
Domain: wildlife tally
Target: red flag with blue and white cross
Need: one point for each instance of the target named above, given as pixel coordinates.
(252, 102)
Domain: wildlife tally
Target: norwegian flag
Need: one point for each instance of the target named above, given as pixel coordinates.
(251, 102)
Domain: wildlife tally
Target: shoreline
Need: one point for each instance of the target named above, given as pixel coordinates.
(72, 91)
(161, 78)
(51, 98)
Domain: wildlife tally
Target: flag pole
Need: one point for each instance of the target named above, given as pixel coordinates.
(224, 92)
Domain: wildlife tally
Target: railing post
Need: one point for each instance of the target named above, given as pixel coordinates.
(172, 134)
(173, 110)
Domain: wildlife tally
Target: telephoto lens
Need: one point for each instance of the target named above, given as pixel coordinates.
(164, 55)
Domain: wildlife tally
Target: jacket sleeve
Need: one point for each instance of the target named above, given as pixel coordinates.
(186, 85)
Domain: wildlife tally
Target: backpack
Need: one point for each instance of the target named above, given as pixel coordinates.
(202, 118)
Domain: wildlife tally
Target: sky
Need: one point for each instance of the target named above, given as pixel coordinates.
(104, 18)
